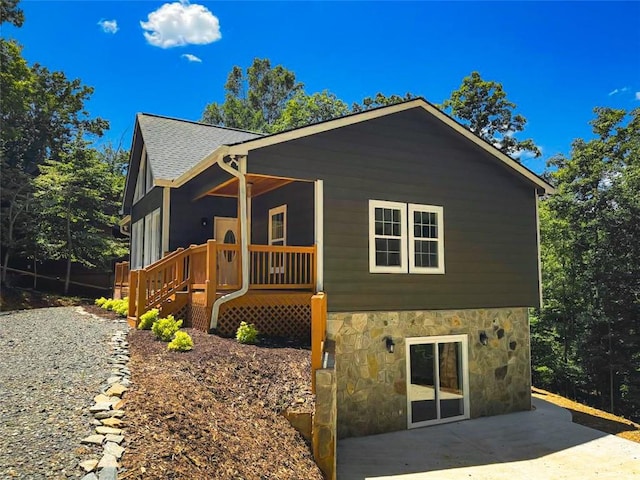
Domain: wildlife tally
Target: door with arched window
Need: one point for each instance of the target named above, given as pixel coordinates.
(226, 232)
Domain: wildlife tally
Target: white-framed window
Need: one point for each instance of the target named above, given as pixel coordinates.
(387, 237)
(141, 180)
(405, 238)
(152, 237)
(277, 236)
(137, 232)
(426, 239)
(144, 182)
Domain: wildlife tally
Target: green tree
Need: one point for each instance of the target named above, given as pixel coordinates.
(40, 112)
(305, 109)
(592, 260)
(380, 100)
(75, 198)
(483, 108)
(253, 100)
(9, 12)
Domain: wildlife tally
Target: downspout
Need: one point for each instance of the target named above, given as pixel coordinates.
(239, 173)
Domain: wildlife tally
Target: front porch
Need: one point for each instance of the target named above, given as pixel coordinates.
(187, 282)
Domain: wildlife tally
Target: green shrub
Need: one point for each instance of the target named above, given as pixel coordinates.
(165, 328)
(247, 333)
(100, 301)
(108, 305)
(147, 319)
(181, 342)
(121, 307)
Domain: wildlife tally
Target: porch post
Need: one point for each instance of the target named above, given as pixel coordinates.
(319, 233)
(249, 194)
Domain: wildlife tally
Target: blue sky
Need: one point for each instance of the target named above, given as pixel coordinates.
(557, 61)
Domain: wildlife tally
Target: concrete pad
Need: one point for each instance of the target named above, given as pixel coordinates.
(540, 444)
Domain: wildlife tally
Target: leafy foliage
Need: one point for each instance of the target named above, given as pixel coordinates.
(380, 100)
(166, 328)
(591, 259)
(147, 319)
(247, 333)
(100, 301)
(182, 342)
(482, 107)
(43, 120)
(253, 100)
(305, 109)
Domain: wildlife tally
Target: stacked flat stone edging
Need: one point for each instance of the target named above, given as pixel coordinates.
(108, 412)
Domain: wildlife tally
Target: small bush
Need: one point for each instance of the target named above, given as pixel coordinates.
(100, 301)
(147, 319)
(165, 328)
(108, 305)
(247, 333)
(181, 342)
(121, 307)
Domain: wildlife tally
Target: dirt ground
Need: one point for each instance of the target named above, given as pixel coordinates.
(215, 412)
(592, 417)
(12, 298)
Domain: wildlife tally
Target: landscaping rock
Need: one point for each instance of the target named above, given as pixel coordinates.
(90, 476)
(108, 473)
(100, 407)
(113, 449)
(93, 439)
(89, 465)
(114, 438)
(106, 430)
(108, 460)
(117, 389)
(112, 422)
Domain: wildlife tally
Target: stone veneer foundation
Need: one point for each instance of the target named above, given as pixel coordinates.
(371, 383)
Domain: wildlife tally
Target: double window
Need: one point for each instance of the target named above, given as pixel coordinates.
(405, 238)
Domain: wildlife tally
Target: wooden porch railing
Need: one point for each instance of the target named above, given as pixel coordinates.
(212, 267)
(121, 277)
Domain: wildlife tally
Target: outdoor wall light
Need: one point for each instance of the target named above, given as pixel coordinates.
(390, 345)
(204, 221)
(484, 340)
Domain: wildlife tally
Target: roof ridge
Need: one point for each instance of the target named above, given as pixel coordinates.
(165, 117)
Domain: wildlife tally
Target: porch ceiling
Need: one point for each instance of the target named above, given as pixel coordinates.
(260, 184)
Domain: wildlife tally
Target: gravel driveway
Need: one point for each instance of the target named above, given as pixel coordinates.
(52, 363)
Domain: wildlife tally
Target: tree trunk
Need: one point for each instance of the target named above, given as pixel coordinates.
(4, 266)
(67, 278)
(35, 273)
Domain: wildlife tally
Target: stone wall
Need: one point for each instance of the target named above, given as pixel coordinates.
(371, 383)
(324, 422)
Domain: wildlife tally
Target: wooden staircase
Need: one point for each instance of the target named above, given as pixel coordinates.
(169, 283)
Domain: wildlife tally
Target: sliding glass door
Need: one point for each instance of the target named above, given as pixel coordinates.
(437, 380)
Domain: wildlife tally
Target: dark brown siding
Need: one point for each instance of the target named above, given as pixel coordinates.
(299, 198)
(187, 212)
(489, 213)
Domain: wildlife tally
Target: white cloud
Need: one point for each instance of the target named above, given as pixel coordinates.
(180, 23)
(618, 90)
(191, 58)
(526, 154)
(637, 95)
(108, 26)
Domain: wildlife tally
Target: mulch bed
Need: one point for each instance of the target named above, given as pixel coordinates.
(216, 411)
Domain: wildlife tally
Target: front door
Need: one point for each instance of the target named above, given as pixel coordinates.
(437, 380)
(225, 230)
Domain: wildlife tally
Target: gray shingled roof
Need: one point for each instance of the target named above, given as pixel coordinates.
(175, 146)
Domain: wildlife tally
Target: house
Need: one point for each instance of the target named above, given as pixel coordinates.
(423, 236)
